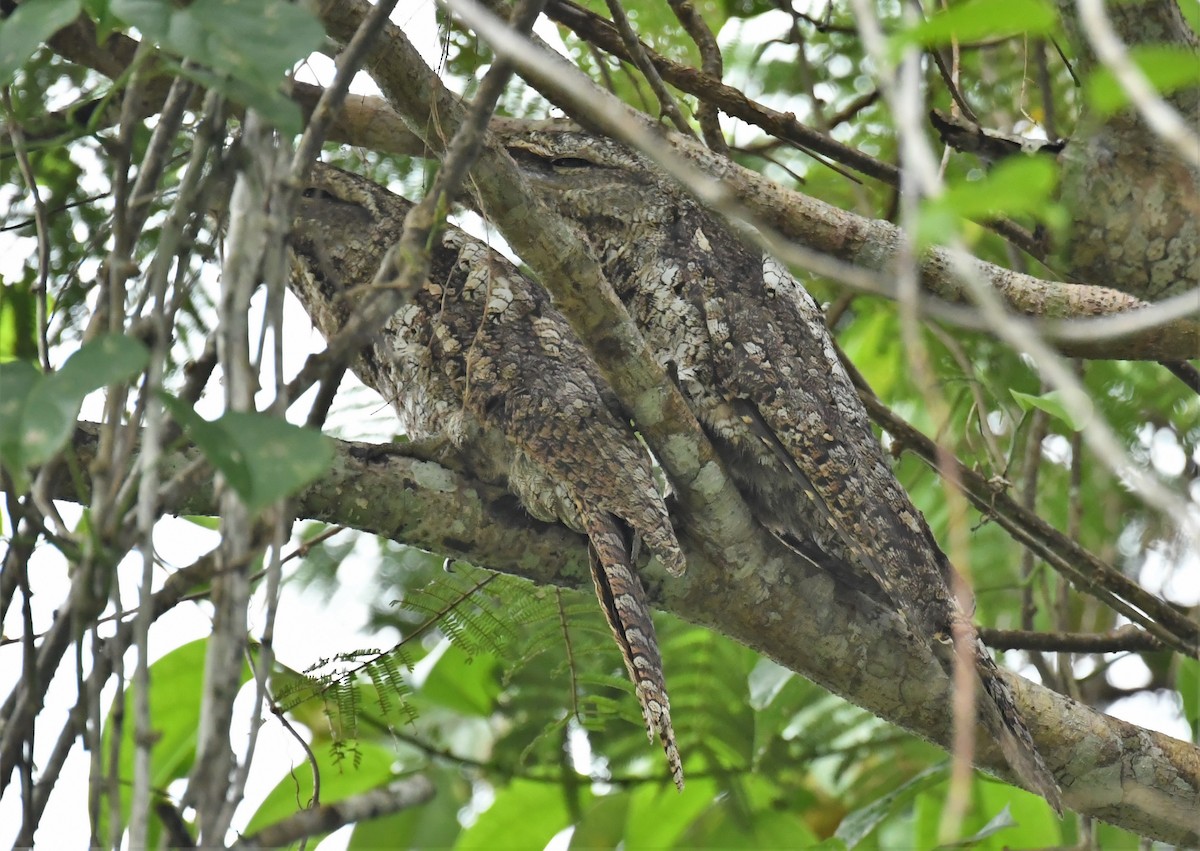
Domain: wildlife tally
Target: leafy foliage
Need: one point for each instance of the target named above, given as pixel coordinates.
(511, 697)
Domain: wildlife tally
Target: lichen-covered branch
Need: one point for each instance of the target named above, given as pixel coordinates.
(772, 601)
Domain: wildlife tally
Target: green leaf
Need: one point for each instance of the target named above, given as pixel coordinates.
(281, 458)
(431, 825)
(53, 405)
(981, 19)
(175, 694)
(858, 825)
(17, 380)
(465, 684)
(1033, 823)
(1015, 186)
(372, 766)
(1052, 404)
(29, 25)
(766, 680)
(263, 458)
(524, 814)
(1187, 680)
(658, 815)
(1168, 68)
(18, 322)
(108, 359)
(1002, 821)
(215, 33)
(602, 824)
(38, 412)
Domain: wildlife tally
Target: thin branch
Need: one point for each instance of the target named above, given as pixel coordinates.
(711, 64)
(1088, 572)
(782, 606)
(709, 89)
(399, 795)
(638, 53)
(1123, 639)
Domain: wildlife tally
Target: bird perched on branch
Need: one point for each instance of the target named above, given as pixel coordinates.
(750, 352)
(480, 358)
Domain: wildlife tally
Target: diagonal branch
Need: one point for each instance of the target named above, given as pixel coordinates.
(781, 606)
(580, 291)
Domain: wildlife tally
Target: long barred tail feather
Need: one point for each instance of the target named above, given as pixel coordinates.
(997, 710)
(1000, 714)
(623, 601)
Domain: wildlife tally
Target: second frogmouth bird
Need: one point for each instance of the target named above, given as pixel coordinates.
(480, 358)
(749, 350)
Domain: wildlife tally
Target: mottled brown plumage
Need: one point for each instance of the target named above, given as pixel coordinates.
(749, 349)
(479, 357)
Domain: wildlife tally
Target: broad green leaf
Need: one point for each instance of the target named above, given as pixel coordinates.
(215, 34)
(367, 767)
(47, 421)
(766, 680)
(17, 380)
(263, 458)
(431, 825)
(53, 404)
(524, 814)
(658, 815)
(38, 411)
(981, 19)
(108, 359)
(1187, 680)
(1002, 821)
(859, 824)
(18, 322)
(213, 441)
(176, 682)
(464, 684)
(751, 815)
(27, 27)
(1013, 187)
(603, 823)
(1051, 403)
(281, 458)
(1168, 69)
(1033, 823)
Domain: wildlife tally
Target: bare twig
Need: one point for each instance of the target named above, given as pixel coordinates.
(711, 64)
(1122, 639)
(638, 53)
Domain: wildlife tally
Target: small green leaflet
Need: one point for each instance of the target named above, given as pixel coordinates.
(1168, 69)
(38, 412)
(858, 825)
(980, 19)
(1053, 405)
(29, 25)
(1000, 822)
(263, 458)
(1187, 680)
(1015, 186)
(215, 34)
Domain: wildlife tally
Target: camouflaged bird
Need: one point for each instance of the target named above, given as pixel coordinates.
(749, 349)
(479, 357)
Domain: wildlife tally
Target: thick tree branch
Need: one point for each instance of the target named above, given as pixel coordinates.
(834, 233)
(369, 122)
(770, 600)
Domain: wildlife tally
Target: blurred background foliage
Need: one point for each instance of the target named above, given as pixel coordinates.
(513, 697)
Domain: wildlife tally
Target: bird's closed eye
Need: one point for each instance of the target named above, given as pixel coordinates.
(318, 194)
(572, 162)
